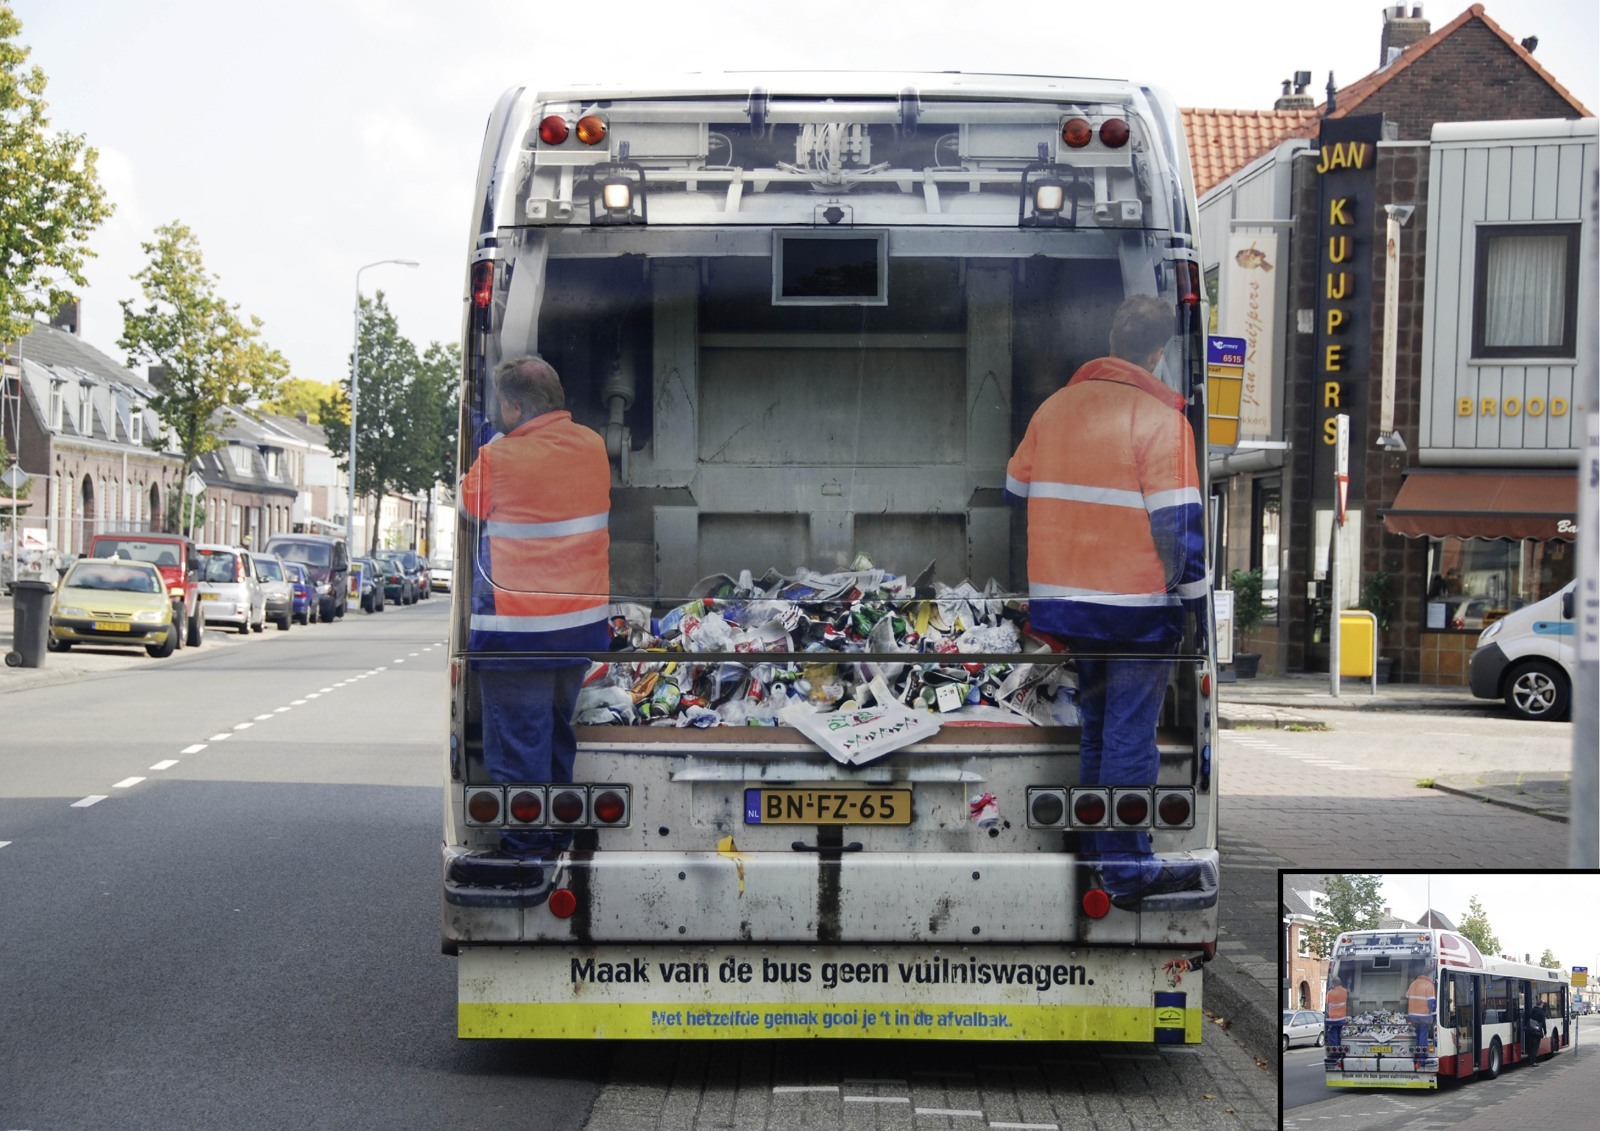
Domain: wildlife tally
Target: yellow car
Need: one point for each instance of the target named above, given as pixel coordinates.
(113, 601)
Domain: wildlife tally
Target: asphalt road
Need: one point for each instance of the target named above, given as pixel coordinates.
(1316, 1104)
(219, 906)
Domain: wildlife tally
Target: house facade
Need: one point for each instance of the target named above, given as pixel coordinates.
(1431, 290)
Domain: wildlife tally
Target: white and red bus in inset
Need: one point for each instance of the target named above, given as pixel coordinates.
(1406, 1008)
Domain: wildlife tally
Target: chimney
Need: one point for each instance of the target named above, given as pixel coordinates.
(66, 317)
(303, 417)
(1299, 100)
(1401, 28)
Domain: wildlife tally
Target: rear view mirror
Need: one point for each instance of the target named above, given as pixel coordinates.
(1568, 605)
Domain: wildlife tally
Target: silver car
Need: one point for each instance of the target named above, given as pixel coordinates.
(1301, 1027)
(229, 591)
(277, 589)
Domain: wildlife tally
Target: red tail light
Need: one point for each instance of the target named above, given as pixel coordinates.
(1089, 809)
(1114, 132)
(1187, 276)
(553, 130)
(238, 570)
(482, 283)
(525, 806)
(610, 807)
(1133, 808)
(483, 806)
(1076, 132)
(563, 903)
(567, 806)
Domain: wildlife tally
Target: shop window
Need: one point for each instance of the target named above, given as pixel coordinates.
(1473, 582)
(1266, 506)
(1526, 291)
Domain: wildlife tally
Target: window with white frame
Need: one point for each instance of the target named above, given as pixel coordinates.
(1525, 295)
(58, 405)
(85, 410)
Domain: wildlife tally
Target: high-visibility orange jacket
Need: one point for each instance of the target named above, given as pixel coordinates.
(1116, 538)
(1336, 1003)
(1420, 997)
(542, 578)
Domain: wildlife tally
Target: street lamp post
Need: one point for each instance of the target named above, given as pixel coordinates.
(355, 385)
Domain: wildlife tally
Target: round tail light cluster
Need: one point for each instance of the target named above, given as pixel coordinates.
(592, 129)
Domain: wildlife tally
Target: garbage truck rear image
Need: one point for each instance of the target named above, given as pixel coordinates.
(763, 721)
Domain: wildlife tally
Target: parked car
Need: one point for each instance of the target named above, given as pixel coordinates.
(1528, 658)
(229, 591)
(277, 590)
(174, 555)
(1301, 1027)
(416, 567)
(399, 586)
(113, 601)
(303, 600)
(372, 578)
(441, 574)
(328, 562)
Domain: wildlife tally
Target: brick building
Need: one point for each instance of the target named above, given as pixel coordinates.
(1296, 237)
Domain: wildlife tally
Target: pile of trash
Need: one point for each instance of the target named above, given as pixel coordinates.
(815, 621)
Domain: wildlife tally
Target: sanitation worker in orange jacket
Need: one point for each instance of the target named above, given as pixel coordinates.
(1337, 1004)
(1116, 560)
(1421, 1004)
(541, 581)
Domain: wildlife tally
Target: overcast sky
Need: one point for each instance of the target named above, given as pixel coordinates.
(300, 140)
(1527, 911)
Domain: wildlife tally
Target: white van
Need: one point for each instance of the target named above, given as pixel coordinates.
(1527, 658)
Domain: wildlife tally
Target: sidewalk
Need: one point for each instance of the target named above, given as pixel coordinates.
(1286, 702)
(1562, 1096)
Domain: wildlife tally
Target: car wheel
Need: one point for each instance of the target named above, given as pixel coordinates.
(284, 621)
(167, 646)
(1538, 689)
(1319, 1041)
(196, 634)
(61, 645)
(180, 623)
(1286, 1044)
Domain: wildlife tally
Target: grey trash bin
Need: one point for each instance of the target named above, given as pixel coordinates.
(30, 623)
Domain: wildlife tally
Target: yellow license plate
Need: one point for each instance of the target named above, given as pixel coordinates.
(111, 626)
(208, 596)
(827, 806)
(1376, 1049)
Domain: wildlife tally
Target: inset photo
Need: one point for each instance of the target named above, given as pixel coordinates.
(1436, 990)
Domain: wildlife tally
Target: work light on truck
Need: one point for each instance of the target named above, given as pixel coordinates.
(1049, 197)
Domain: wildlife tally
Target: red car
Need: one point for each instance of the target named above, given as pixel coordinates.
(178, 561)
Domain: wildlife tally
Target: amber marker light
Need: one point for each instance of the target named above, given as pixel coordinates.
(591, 129)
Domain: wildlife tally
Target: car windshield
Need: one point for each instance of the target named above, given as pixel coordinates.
(311, 553)
(138, 550)
(217, 565)
(1288, 1017)
(121, 579)
(268, 569)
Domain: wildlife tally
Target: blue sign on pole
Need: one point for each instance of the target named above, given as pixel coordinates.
(1225, 351)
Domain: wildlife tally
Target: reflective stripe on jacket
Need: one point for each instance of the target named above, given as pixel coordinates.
(1116, 536)
(542, 578)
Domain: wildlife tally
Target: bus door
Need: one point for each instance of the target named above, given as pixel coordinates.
(1467, 1021)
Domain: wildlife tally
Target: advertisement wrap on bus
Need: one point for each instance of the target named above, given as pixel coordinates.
(795, 578)
(1406, 1008)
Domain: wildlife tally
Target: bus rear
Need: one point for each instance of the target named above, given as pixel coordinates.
(827, 779)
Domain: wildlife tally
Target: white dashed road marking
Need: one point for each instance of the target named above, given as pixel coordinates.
(92, 799)
(779, 1089)
(126, 783)
(195, 749)
(219, 737)
(166, 764)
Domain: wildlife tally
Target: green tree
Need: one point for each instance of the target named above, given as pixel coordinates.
(1351, 903)
(1549, 961)
(297, 394)
(1475, 926)
(440, 387)
(50, 194)
(398, 413)
(214, 360)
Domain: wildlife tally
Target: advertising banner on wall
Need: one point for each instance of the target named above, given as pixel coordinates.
(1250, 311)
